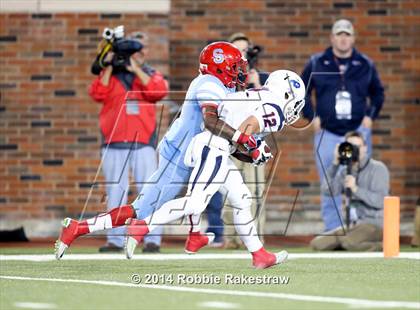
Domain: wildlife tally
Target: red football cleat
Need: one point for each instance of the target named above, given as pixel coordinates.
(196, 241)
(69, 232)
(136, 230)
(262, 259)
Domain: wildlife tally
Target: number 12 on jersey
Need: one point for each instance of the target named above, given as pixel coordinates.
(269, 120)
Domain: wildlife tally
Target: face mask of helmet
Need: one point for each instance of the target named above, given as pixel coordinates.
(289, 88)
(292, 111)
(239, 73)
(242, 76)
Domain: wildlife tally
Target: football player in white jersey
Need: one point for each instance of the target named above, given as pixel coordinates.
(262, 111)
(221, 68)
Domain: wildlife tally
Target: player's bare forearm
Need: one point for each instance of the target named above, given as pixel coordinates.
(215, 125)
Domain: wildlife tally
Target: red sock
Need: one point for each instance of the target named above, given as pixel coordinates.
(114, 218)
(121, 214)
(260, 252)
(82, 228)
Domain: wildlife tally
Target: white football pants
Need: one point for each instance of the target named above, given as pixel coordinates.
(213, 171)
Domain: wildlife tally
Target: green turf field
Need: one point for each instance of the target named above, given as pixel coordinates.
(319, 283)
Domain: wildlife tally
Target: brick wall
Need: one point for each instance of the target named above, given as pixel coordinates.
(49, 142)
(290, 32)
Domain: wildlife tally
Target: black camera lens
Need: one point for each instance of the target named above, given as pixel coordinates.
(347, 153)
(252, 55)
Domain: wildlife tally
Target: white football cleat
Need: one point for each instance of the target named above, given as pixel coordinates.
(130, 246)
(281, 257)
(59, 249)
(136, 230)
(69, 232)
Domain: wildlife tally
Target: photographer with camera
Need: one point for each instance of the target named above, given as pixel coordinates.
(365, 182)
(128, 89)
(349, 96)
(251, 52)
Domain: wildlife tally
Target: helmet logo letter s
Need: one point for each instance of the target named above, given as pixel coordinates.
(224, 61)
(218, 56)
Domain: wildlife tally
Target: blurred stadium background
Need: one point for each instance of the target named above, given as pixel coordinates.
(49, 142)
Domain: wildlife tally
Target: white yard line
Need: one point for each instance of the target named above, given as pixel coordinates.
(218, 305)
(353, 302)
(34, 305)
(156, 257)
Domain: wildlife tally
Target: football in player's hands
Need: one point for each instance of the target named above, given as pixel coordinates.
(261, 154)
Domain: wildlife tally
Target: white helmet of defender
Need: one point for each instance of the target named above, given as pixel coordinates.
(290, 89)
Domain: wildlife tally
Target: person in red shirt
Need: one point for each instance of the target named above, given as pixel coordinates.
(128, 126)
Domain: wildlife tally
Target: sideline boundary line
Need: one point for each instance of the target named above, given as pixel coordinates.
(162, 257)
(296, 297)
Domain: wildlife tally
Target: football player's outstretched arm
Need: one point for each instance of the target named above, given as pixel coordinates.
(218, 127)
(214, 124)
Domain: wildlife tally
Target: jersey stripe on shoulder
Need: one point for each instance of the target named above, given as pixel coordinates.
(279, 112)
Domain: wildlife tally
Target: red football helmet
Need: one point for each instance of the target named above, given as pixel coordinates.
(224, 61)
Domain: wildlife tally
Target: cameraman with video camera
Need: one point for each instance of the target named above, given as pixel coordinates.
(128, 89)
(365, 182)
(251, 52)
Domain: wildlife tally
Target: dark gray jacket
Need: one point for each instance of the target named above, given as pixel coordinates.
(372, 179)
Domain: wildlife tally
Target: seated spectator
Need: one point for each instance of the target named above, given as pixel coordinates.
(369, 184)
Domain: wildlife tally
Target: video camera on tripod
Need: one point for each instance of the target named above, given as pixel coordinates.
(113, 40)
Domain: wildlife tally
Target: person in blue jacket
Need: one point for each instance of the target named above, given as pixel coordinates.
(343, 80)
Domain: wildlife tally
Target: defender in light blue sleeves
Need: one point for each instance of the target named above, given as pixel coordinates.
(221, 69)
